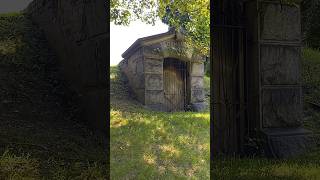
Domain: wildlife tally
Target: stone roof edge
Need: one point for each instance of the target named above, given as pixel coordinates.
(147, 41)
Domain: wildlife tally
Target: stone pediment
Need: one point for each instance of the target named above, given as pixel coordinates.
(170, 44)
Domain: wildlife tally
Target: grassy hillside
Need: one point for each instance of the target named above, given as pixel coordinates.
(155, 145)
(40, 134)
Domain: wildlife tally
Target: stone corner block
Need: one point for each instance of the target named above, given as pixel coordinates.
(287, 142)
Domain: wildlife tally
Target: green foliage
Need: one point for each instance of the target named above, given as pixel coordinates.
(311, 23)
(189, 16)
(311, 75)
(155, 145)
(122, 12)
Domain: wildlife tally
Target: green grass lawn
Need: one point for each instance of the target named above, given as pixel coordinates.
(155, 145)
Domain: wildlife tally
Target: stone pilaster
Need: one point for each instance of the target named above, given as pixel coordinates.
(196, 86)
(274, 43)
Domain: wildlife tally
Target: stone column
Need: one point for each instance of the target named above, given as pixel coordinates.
(153, 72)
(274, 89)
(196, 86)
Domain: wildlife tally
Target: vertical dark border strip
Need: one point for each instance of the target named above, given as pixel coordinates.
(107, 7)
(212, 8)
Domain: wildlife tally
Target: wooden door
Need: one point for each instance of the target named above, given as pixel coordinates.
(174, 85)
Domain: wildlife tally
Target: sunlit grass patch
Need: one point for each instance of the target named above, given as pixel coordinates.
(155, 145)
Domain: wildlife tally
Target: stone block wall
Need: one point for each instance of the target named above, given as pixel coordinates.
(133, 69)
(77, 31)
(154, 82)
(163, 74)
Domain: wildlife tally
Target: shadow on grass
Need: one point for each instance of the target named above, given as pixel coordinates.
(159, 145)
(301, 168)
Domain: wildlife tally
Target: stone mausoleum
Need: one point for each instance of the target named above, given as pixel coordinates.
(164, 74)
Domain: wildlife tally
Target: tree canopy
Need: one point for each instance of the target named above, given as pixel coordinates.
(189, 16)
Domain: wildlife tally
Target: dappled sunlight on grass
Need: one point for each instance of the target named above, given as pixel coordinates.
(147, 144)
(170, 145)
(170, 150)
(149, 159)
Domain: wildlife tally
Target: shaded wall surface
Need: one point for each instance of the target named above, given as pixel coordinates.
(77, 31)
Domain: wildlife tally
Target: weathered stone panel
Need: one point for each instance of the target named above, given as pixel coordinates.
(154, 97)
(286, 143)
(197, 69)
(279, 22)
(281, 107)
(197, 82)
(153, 65)
(197, 95)
(153, 81)
(279, 65)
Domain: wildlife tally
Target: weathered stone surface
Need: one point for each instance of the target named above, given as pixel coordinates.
(197, 82)
(280, 22)
(201, 106)
(197, 95)
(280, 65)
(154, 97)
(153, 81)
(139, 67)
(281, 107)
(197, 69)
(139, 94)
(153, 66)
(286, 143)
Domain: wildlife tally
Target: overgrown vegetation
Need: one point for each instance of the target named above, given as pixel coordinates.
(146, 144)
(310, 12)
(188, 16)
(41, 136)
